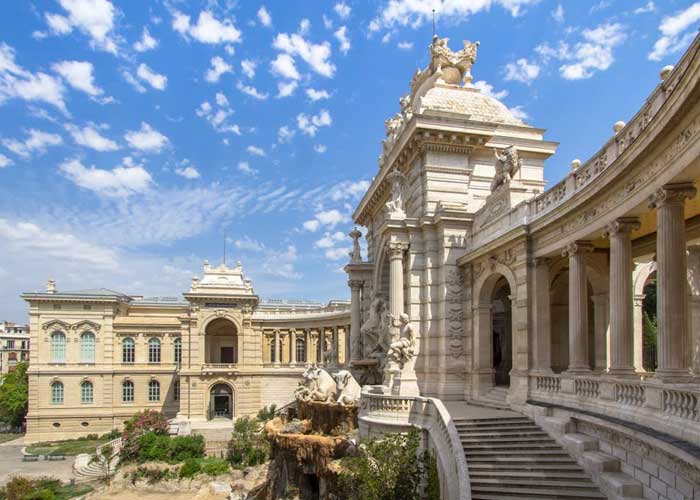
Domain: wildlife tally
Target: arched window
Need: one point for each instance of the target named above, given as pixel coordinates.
(154, 390)
(273, 351)
(87, 347)
(86, 392)
(58, 347)
(176, 390)
(301, 350)
(128, 391)
(128, 350)
(56, 393)
(154, 350)
(178, 350)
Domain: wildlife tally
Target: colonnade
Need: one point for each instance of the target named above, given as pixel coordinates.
(321, 345)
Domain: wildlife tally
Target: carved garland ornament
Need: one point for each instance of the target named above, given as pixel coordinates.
(454, 283)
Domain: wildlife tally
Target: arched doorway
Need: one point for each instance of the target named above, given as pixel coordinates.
(221, 401)
(221, 342)
(502, 322)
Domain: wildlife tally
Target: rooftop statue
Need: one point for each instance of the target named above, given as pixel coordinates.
(508, 163)
(355, 254)
(442, 58)
(395, 205)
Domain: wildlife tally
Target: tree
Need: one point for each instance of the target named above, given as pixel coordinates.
(13, 396)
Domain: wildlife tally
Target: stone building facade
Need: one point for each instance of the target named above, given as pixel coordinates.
(14, 345)
(99, 356)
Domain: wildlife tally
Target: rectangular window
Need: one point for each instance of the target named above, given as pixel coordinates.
(178, 351)
(86, 392)
(154, 351)
(11, 344)
(153, 391)
(128, 392)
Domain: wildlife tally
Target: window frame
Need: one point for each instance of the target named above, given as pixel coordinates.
(300, 343)
(55, 347)
(131, 389)
(177, 350)
(154, 350)
(57, 389)
(90, 359)
(131, 350)
(87, 389)
(153, 391)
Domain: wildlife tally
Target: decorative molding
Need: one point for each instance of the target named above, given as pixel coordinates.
(577, 247)
(622, 225)
(454, 283)
(672, 194)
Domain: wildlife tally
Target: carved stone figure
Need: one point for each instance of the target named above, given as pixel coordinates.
(316, 385)
(406, 110)
(375, 330)
(348, 388)
(392, 125)
(402, 350)
(442, 59)
(355, 254)
(395, 204)
(508, 163)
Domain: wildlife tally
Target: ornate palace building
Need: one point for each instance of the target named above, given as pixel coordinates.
(530, 299)
(99, 356)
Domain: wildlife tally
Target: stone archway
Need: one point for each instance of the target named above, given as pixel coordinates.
(221, 401)
(221, 342)
(493, 330)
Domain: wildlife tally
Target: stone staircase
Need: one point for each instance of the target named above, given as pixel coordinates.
(496, 398)
(512, 458)
(87, 469)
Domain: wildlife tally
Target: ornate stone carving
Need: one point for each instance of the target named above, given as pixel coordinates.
(622, 225)
(508, 163)
(442, 60)
(577, 247)
(316, 385)
(402, 350)
(355, 254)
(395, 206)
(672, 193)
(349, 391)
(375, 331)
(454, 284)
(396, 249)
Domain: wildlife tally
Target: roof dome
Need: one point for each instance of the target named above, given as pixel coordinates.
(467, 101)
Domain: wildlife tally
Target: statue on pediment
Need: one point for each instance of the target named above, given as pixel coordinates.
(395, 205)
(442, 59)
(508, 164)
(355, 254)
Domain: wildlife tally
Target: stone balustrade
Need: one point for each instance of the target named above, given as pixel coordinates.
(670, 408)
(383, 413)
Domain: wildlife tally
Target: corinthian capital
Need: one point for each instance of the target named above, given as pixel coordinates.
(396, 249)
(581, 246)
(622, 225)
(355, 284)
(671, 194)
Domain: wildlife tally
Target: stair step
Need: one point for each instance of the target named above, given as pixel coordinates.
(535, 483)
(525, 467)
(506, 439)
(529, 496)
(553, 452)
(549, 475)
(553, 493)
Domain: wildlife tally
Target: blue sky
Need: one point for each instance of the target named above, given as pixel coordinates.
(133, 135)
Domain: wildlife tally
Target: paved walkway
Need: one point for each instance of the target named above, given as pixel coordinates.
(11, 465)
(462, 409)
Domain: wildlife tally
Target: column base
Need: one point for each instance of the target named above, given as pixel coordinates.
(627, 372)
(578, 370)
(673, 376)
(541, 371)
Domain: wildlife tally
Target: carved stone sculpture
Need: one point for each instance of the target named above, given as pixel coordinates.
(348, 388)
(403, 350)
(375, 331)
(508, 163)
(395, 204)
(442, 59)
(316, 385)
(355, 254)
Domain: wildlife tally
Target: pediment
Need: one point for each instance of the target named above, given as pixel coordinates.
(86, 325)
(55, 324)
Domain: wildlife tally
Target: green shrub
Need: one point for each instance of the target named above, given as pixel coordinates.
(214, 466)
(190, 468)
(267, 413)
(138, 425)
(247, 446)
(186, 447)
(432, 486)
(152, 447)
(151, 475)
(17, 488)
(113, 434)
(44, 494)
(386, 469)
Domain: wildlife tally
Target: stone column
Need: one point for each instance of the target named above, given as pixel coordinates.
(542, 338)
(601, 318)
(396, 251)
(278, 351)
(621, 296)
(321, 345)
(671, 268)
(638, 348)
(307, 345)
(694, 284)
(353, 348)
(336, 346)
(578, 307)
(293, 346)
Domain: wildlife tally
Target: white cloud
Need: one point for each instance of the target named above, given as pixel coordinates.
(404, 45)
(309, 125)
(251, 91)
(595, 53)
(320, 148)
(285, 89)
(315, 55)
(311, 225)
(146, 43)
(329, 240)
(283, 65)
(674, 32)
(248, 67)
(304, 26)
(522, 71)
(121, 181)
(342, 36)
(18, 83)
(218, 118)
(90, 137)
(649, 7)
(218, 68)
(146, 139)
(208, 29)
(247, 243)
(245, 168)
(317, 95)
(558, 14)
(285, 134)
(331, 218)
(327, 22)
(5, 161)
(351, 190)
(264, 17)
(487, 89)
(275, 263)
(415, 13)
(95, 18)
(155, 80)
(188, 172)
(337, 253)
(131, 80)
(519, 113)
(255, 151)
(342, 10)
(37, 141)
(79, 75)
